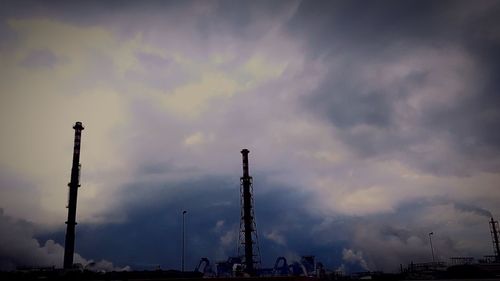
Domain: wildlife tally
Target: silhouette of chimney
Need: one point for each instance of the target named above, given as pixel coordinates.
(69, 246)
(494, 236)
(247, 223)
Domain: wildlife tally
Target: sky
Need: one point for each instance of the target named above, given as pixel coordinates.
(370, 124)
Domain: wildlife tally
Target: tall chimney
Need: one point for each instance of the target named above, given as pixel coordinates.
(247, 224)
(494, 237)
(69, 246)
(246, 173)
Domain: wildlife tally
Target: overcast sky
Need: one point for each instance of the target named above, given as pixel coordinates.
(369, 125)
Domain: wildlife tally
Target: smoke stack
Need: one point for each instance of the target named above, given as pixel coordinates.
(247, 224)
(69, 246)
(494, 236)
(244, 153)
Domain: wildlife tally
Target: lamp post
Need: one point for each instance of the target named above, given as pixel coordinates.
(183, 237)
(432, 249)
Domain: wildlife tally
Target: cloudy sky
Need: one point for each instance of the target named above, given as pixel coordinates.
(369, 125)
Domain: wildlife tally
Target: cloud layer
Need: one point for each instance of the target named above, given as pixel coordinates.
(19, 247)
(356, 115)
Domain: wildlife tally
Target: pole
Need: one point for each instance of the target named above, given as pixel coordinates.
(183, 238)
(432, 249)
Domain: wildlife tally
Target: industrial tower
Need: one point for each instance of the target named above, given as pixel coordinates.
(69, 246)
(494, 236)
(248, 229)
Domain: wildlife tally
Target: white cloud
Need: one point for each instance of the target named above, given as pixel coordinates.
(219, 225)
(19, 247)
(276, 237)
(352, 256)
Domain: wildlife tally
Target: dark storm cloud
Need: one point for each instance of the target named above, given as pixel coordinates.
(235, 18)
(460, 206)
(7, 35)
(382, 67)
(473, 209)
(20, 247)
(151, 233)
(40, 59)
(96, 12)
(352, 36)
(404, 233)
(346, 26)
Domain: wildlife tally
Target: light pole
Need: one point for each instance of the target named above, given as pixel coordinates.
(183, 237)
(432, 249)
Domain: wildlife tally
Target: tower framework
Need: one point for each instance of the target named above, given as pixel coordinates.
(248, 230)
(69, 246)
(495, 237)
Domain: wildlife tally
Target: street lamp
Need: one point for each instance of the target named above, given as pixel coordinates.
(432, 249)
(183, 236)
